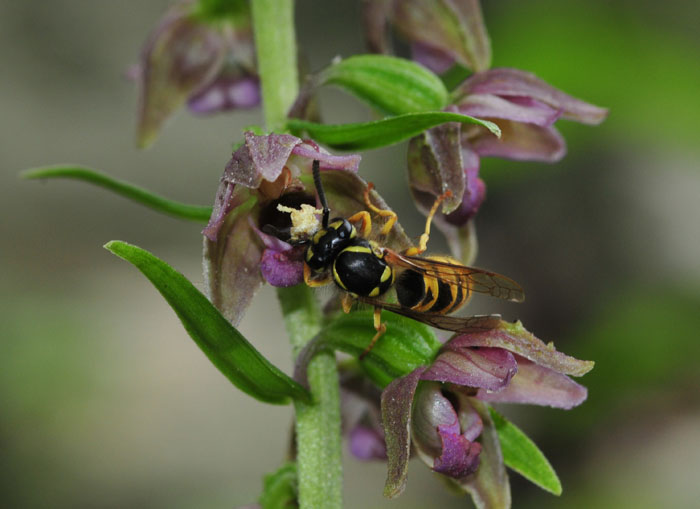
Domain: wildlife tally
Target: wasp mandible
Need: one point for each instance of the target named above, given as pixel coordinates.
(427, 288)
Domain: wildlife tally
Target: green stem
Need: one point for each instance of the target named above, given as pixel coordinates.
(319, 455)
(273, 24)
(319, 466)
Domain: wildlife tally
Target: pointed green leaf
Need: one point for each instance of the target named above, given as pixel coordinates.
(404, 346)
(280, 489)
(522, 455)
(390, 84)
(137, 194)
(380, 133)
(225, 347)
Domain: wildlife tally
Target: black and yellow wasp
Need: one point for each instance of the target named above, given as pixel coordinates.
(427, 287)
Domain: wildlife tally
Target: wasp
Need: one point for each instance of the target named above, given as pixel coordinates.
(427, 288)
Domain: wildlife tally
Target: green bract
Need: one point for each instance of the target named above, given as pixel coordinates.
(380, 133)
(280, 489)
(404, 346)
(523, 456)
(225, 347)
(389, 84)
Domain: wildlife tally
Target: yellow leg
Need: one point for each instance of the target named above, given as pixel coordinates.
(379, 327)
(313, 283)
(346, 303)
(390, 215)
(423, 241)
(365, 221)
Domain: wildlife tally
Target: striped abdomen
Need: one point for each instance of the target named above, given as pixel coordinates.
(431, 294)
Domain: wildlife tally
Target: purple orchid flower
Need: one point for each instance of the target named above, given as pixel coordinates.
(443, 33)
(440, 32)
(264, 172)
(448, 156)
(244, 245)
(208, 64)
(441, 408)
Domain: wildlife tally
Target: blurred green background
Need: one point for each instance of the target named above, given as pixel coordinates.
(104, 400)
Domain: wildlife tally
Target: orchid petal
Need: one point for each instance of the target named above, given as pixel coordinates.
(226, 93)
(522, 142)
(488, 486)
(432, 413)
(260, 157)
(487, 368)
(459, 456)
(514, 82)
(469, 419)
(396, 415)
(519, 109)
(282, 269)
(537, 385)
(474, 190)
(435, 166)
(181, 55)
(367, 443)
(456, 28)
(374, 17)
(231, 261)
(514, 338)
(350, 162)
(435, 59)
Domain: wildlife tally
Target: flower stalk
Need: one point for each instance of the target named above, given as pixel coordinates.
(273, 25)
(317, 425)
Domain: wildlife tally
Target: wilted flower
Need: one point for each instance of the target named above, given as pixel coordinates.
(440, 408)
(194, 56)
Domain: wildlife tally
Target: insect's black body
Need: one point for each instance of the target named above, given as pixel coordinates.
(429, 293)
(357, 266)
(428, 288)
(328, 242)
(361, 270)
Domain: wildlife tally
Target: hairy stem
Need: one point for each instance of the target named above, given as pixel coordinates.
(273, 23)
(318, 424)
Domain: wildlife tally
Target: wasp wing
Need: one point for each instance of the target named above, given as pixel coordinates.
(471, 278)
(464, 325)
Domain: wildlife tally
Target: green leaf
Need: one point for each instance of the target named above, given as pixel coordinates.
(137, 194)
(405, 345)
(225, 347)
(454, 76)
(522, 455)
(280, 490)
(389, 84)
(380, 133)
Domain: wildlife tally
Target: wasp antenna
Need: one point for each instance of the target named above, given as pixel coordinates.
(316, 169)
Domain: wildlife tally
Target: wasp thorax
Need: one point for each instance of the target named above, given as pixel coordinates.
(327, 243)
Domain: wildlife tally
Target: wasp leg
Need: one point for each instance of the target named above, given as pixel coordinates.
(389, 214)
(379, 327)
(346, 303)
(365, 221)
(328, 278)
(423, 242)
